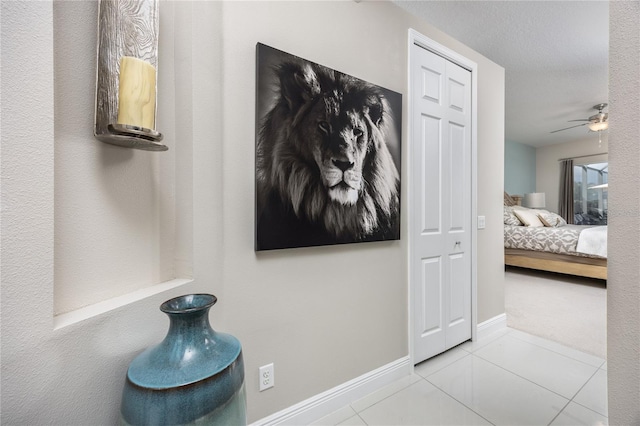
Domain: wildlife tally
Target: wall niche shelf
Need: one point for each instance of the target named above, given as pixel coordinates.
(125, 110)
(129, 243)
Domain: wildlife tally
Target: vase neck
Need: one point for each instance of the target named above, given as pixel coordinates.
(189, 321)
(189, 315)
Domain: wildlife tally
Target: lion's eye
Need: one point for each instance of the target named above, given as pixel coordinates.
(324, 127)
(357, 132)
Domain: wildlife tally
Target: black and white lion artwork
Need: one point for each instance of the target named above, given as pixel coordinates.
(324, 170)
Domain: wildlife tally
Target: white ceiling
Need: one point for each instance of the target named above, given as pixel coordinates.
(555, 56)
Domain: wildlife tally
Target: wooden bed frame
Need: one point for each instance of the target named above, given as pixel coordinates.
(560, 266)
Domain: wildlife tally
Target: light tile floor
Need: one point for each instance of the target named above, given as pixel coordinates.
(507, 378)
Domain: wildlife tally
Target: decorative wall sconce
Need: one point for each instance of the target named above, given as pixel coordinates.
(127, 64)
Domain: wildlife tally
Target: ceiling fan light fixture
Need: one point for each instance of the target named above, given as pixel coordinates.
(598, 126)
(596, 123)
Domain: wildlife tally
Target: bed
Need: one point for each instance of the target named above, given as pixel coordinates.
(542, 240)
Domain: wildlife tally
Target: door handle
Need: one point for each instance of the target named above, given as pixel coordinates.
(458, 243)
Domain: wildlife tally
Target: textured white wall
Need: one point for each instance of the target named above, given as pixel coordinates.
(74, 374)
(548, 167)
(623, 285)
(342, 309)
(114, 208)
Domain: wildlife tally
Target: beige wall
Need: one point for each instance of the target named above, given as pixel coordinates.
(323, 315)
(623, 286)
(548, 166)
(490, 188)
(359, 291)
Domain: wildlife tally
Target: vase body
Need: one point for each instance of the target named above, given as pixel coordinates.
(194, 376)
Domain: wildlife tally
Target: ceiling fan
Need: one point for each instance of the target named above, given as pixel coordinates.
(596, 122)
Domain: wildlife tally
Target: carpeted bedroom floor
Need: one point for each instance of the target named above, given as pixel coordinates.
(566, 309)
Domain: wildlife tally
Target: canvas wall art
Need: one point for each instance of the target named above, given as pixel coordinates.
(327, 155)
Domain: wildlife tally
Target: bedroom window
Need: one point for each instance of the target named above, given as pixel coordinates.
(590, 195)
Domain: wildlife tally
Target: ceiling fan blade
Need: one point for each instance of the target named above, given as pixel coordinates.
(567, 128)
(584, 119)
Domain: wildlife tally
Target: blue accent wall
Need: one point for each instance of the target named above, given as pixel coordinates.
(519, 168)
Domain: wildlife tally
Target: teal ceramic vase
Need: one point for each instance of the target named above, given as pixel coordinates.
(194, 376)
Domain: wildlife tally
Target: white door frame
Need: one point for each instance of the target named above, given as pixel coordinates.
(437, 48)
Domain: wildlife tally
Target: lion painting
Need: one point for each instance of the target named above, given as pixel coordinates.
(324, 172)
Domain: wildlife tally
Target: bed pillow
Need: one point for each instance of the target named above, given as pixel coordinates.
(509, 201)
(510, 218)
(551, 219)
(528, 217)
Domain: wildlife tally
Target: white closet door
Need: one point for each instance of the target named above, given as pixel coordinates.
(441, 200)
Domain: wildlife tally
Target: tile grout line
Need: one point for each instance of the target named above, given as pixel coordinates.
(504, 333)
(502, 368)
(432, 384)
(517, 375)
(569, 400)
(562, 396)
(559, 412)
(524, 378)
(592, 410)
(585, 384)
(453, 397)
(584, 406)
(460, 402)
(386, 397)
(360, 417)
(515, 336)
(444, 366)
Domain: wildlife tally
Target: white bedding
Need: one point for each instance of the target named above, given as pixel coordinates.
(593, 241)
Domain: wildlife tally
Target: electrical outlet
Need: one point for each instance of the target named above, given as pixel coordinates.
(481, 222)
(267, 378)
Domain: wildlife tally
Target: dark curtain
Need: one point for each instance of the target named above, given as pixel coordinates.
(566, 190)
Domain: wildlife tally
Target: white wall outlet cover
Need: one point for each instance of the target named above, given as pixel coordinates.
(267, 379)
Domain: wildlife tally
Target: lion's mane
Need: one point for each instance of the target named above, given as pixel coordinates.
(294, 205)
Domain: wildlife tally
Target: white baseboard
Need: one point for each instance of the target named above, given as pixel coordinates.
(497, 323)
(325, 403)
(329, 401)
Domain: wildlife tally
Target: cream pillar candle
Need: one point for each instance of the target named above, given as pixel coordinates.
(137, 93)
